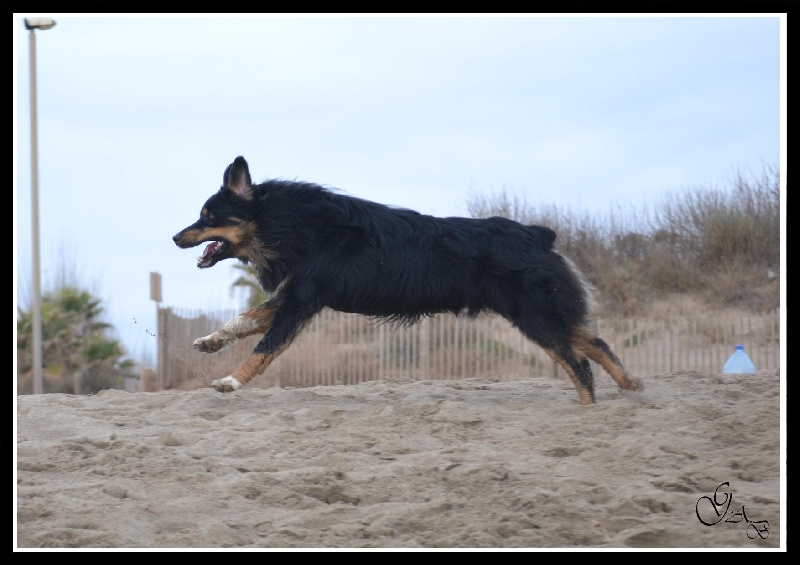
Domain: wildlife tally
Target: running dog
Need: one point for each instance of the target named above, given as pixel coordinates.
(313, 247)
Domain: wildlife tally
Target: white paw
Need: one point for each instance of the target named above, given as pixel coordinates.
(226, 384)
(208, 344)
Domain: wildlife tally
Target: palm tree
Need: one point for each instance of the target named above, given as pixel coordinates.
(73, 342)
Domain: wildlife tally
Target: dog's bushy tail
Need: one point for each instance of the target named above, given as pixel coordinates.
(587, 290)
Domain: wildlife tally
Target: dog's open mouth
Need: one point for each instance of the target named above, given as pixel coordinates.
(211, 254)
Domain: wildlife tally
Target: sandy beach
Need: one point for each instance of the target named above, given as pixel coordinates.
(691, 462)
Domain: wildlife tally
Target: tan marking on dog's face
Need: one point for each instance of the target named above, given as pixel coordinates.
(234, 235)
(237, 236)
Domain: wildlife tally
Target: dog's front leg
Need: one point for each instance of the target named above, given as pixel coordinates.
(255, 321)
(286, 323)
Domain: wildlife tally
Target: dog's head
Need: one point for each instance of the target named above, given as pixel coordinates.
(224, 220)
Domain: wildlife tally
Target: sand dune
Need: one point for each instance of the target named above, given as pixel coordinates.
(430, 464)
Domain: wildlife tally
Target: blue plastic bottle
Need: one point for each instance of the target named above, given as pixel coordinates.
(739, 362)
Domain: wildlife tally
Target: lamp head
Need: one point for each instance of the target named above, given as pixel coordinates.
(39, 23)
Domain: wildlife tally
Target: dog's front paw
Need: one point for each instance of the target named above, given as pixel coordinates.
(208, 344)
(226, 384)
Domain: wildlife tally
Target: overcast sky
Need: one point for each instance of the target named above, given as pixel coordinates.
(139, 116)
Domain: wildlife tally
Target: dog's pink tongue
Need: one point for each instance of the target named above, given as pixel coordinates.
(210, 249)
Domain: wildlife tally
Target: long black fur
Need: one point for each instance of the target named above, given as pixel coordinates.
(313, 247)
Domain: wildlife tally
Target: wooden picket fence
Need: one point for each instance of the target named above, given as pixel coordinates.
(339, 348)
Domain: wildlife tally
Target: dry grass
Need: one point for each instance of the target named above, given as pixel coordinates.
(719, 245)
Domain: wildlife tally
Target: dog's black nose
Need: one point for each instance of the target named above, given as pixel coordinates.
(176, 237)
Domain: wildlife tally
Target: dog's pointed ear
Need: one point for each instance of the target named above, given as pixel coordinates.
(237, 178)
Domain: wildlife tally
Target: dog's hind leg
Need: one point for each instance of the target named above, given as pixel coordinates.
(579, 371)
(557, 342)
(598, 351)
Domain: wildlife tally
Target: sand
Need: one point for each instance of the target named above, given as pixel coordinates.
(406, 465)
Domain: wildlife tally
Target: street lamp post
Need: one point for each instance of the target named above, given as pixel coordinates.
(32, 24)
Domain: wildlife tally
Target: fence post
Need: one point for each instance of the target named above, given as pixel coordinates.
(424, 347)
(147, 380)
(161, 345)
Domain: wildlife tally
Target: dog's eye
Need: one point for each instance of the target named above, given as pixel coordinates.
(208, 217)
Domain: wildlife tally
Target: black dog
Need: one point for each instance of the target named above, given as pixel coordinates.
(313, 248)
